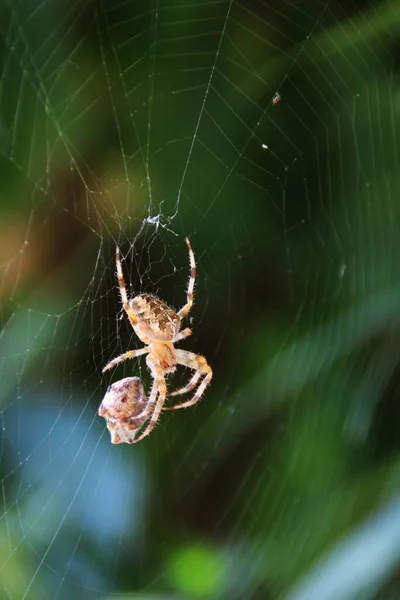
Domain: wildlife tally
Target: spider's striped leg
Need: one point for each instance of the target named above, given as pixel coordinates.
(190, 291)
(159, 389)
(149, 405)
(121, 281)
(200, 365)
(187, 388)
(122, 357)
(182, 335)
(122, 289)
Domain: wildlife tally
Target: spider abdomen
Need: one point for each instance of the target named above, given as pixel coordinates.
(155, 320)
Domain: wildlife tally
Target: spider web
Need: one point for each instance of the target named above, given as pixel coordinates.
(268, 134)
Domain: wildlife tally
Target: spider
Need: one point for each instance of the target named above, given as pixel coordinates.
(158, 327)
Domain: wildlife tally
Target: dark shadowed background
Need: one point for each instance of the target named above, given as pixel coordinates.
(267, 132)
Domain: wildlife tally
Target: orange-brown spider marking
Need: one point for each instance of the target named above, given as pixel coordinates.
(125, 406)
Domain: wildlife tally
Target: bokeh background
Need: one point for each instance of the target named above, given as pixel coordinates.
(138, 123)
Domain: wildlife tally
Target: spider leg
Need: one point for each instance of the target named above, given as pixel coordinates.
(189, 386)
(156, 372)
(200, 365)
(182, 335)
(190, 291)
(122, 289)
(122, 357)
(159, 389)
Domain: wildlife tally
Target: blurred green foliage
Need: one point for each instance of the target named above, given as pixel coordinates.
(198, 572)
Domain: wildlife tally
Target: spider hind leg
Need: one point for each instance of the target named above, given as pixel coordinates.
(202, 368)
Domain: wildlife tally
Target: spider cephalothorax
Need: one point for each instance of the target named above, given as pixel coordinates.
(158, 327)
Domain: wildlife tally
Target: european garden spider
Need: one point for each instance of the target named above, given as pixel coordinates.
(125, 406)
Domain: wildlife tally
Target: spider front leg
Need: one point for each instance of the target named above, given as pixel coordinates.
(200, 365)
(190, 291)
(131, 354)
(122, 289)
